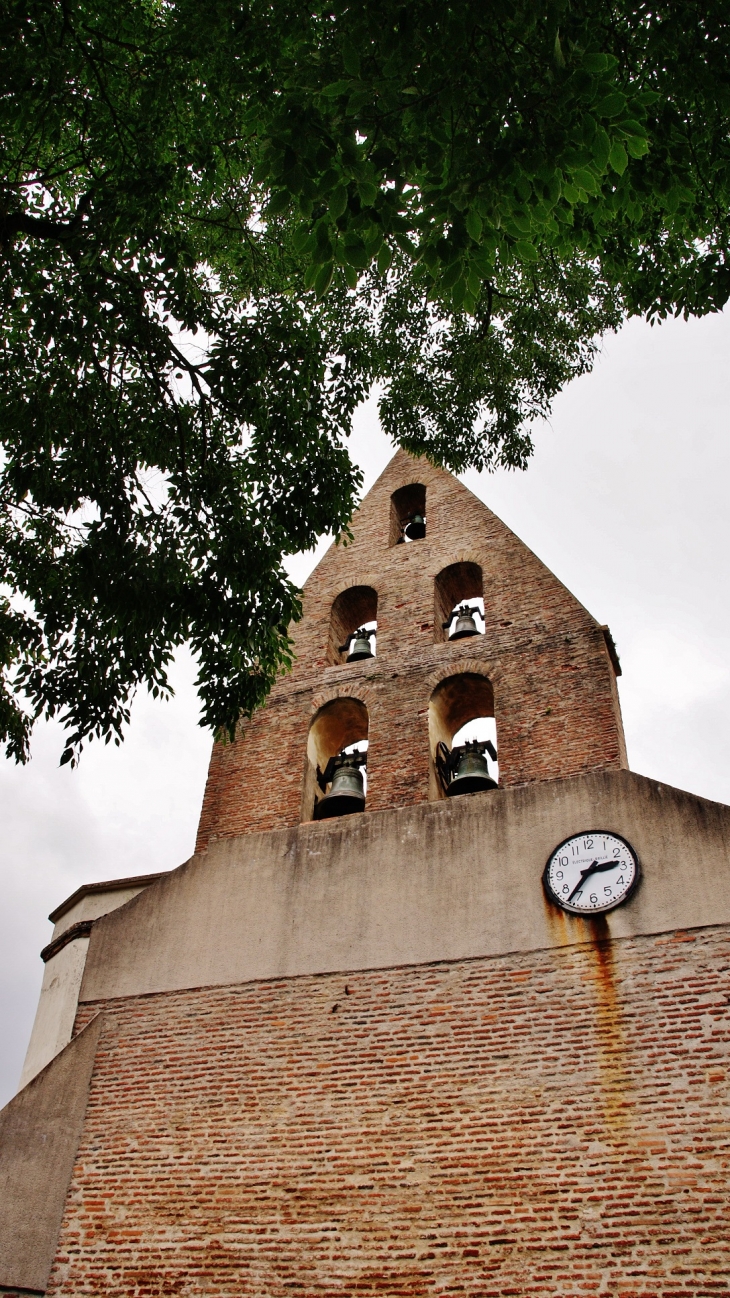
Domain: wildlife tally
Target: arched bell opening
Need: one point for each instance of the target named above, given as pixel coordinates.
(336, 778)
(462, 734)
(353, 625)
(459, 602)
(408, 514)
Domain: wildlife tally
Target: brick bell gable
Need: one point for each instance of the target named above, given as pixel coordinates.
(555, 698)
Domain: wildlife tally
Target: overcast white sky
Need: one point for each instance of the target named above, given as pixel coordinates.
(626, 501)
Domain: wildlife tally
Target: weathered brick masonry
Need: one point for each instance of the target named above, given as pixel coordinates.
(555, 697)
(554, 1123)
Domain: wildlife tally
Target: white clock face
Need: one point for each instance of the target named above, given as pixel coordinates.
(591, 872)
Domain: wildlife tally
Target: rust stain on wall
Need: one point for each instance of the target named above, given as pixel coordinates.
(612, 1050)
(609, 1032)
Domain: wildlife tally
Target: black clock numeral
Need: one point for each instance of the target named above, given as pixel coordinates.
(620, 880)
(578, 895)
(617, 851)
(588, 844)
(566, 887)
(593, 898)
(558, 874)
(608, 891)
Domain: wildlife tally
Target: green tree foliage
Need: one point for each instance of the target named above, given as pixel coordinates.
(221, 223)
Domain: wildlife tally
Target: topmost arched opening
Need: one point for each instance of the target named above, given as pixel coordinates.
(407, 507)
(458, 584)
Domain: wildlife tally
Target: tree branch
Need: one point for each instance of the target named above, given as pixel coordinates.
(38, 227)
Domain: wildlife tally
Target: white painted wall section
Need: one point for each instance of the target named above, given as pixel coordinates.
(59, 998)
(57, 1007)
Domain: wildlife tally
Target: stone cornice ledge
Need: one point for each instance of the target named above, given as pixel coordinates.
(82, 929)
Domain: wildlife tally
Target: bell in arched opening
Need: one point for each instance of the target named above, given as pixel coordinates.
(415, 528)
(465, 624)
(358, 645)
(465, 769)
(347, 787)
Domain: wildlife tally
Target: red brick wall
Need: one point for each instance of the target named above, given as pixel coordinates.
(549, 1124)
(556, 704)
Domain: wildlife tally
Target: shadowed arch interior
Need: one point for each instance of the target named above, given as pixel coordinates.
(352, 608)
(404, 503)
(335, 726)
(454, 585)
(455, 701)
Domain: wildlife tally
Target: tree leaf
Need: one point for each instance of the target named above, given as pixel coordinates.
(474, 224)
(385, 257)
(451, 274)
(526, 252)
(632, 127)
(618, 158)
(324, 278)
(405, 245)
(596, 63)
(637, 146)
(358, 100)
(350, 58)
(611, 105)
(601, 148)
(278, 202)
(586, 180)
(337, 201)
(335, 89)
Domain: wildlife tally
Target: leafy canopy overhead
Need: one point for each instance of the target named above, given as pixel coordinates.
(222, 223)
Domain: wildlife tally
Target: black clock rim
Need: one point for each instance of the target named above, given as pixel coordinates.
(603, 910)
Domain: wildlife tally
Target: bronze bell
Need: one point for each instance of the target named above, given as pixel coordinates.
(465, 624)
(470, 768)
(416, 527)
(347, 790)
(359, 643)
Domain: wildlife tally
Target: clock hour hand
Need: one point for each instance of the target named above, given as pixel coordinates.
(593, 868)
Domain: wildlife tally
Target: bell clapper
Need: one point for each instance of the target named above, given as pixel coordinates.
(358, 644)
(347, 788)
(465, 624)
(465, 769)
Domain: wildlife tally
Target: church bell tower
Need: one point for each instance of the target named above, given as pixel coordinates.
(439, 1003)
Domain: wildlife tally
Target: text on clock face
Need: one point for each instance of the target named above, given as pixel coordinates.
(591, 871)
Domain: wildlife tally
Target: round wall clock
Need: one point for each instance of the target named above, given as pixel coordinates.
(592, 872)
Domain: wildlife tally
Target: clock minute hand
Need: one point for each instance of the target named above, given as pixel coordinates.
(593, 868)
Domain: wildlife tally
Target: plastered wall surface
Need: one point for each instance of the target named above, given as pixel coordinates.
(54, 1020)
(64, 968)
(96, 900)
(555, 698)
(39, 1136)
(439, 881)
(548, 1123)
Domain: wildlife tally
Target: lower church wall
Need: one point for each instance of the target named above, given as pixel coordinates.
(553, 1122)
